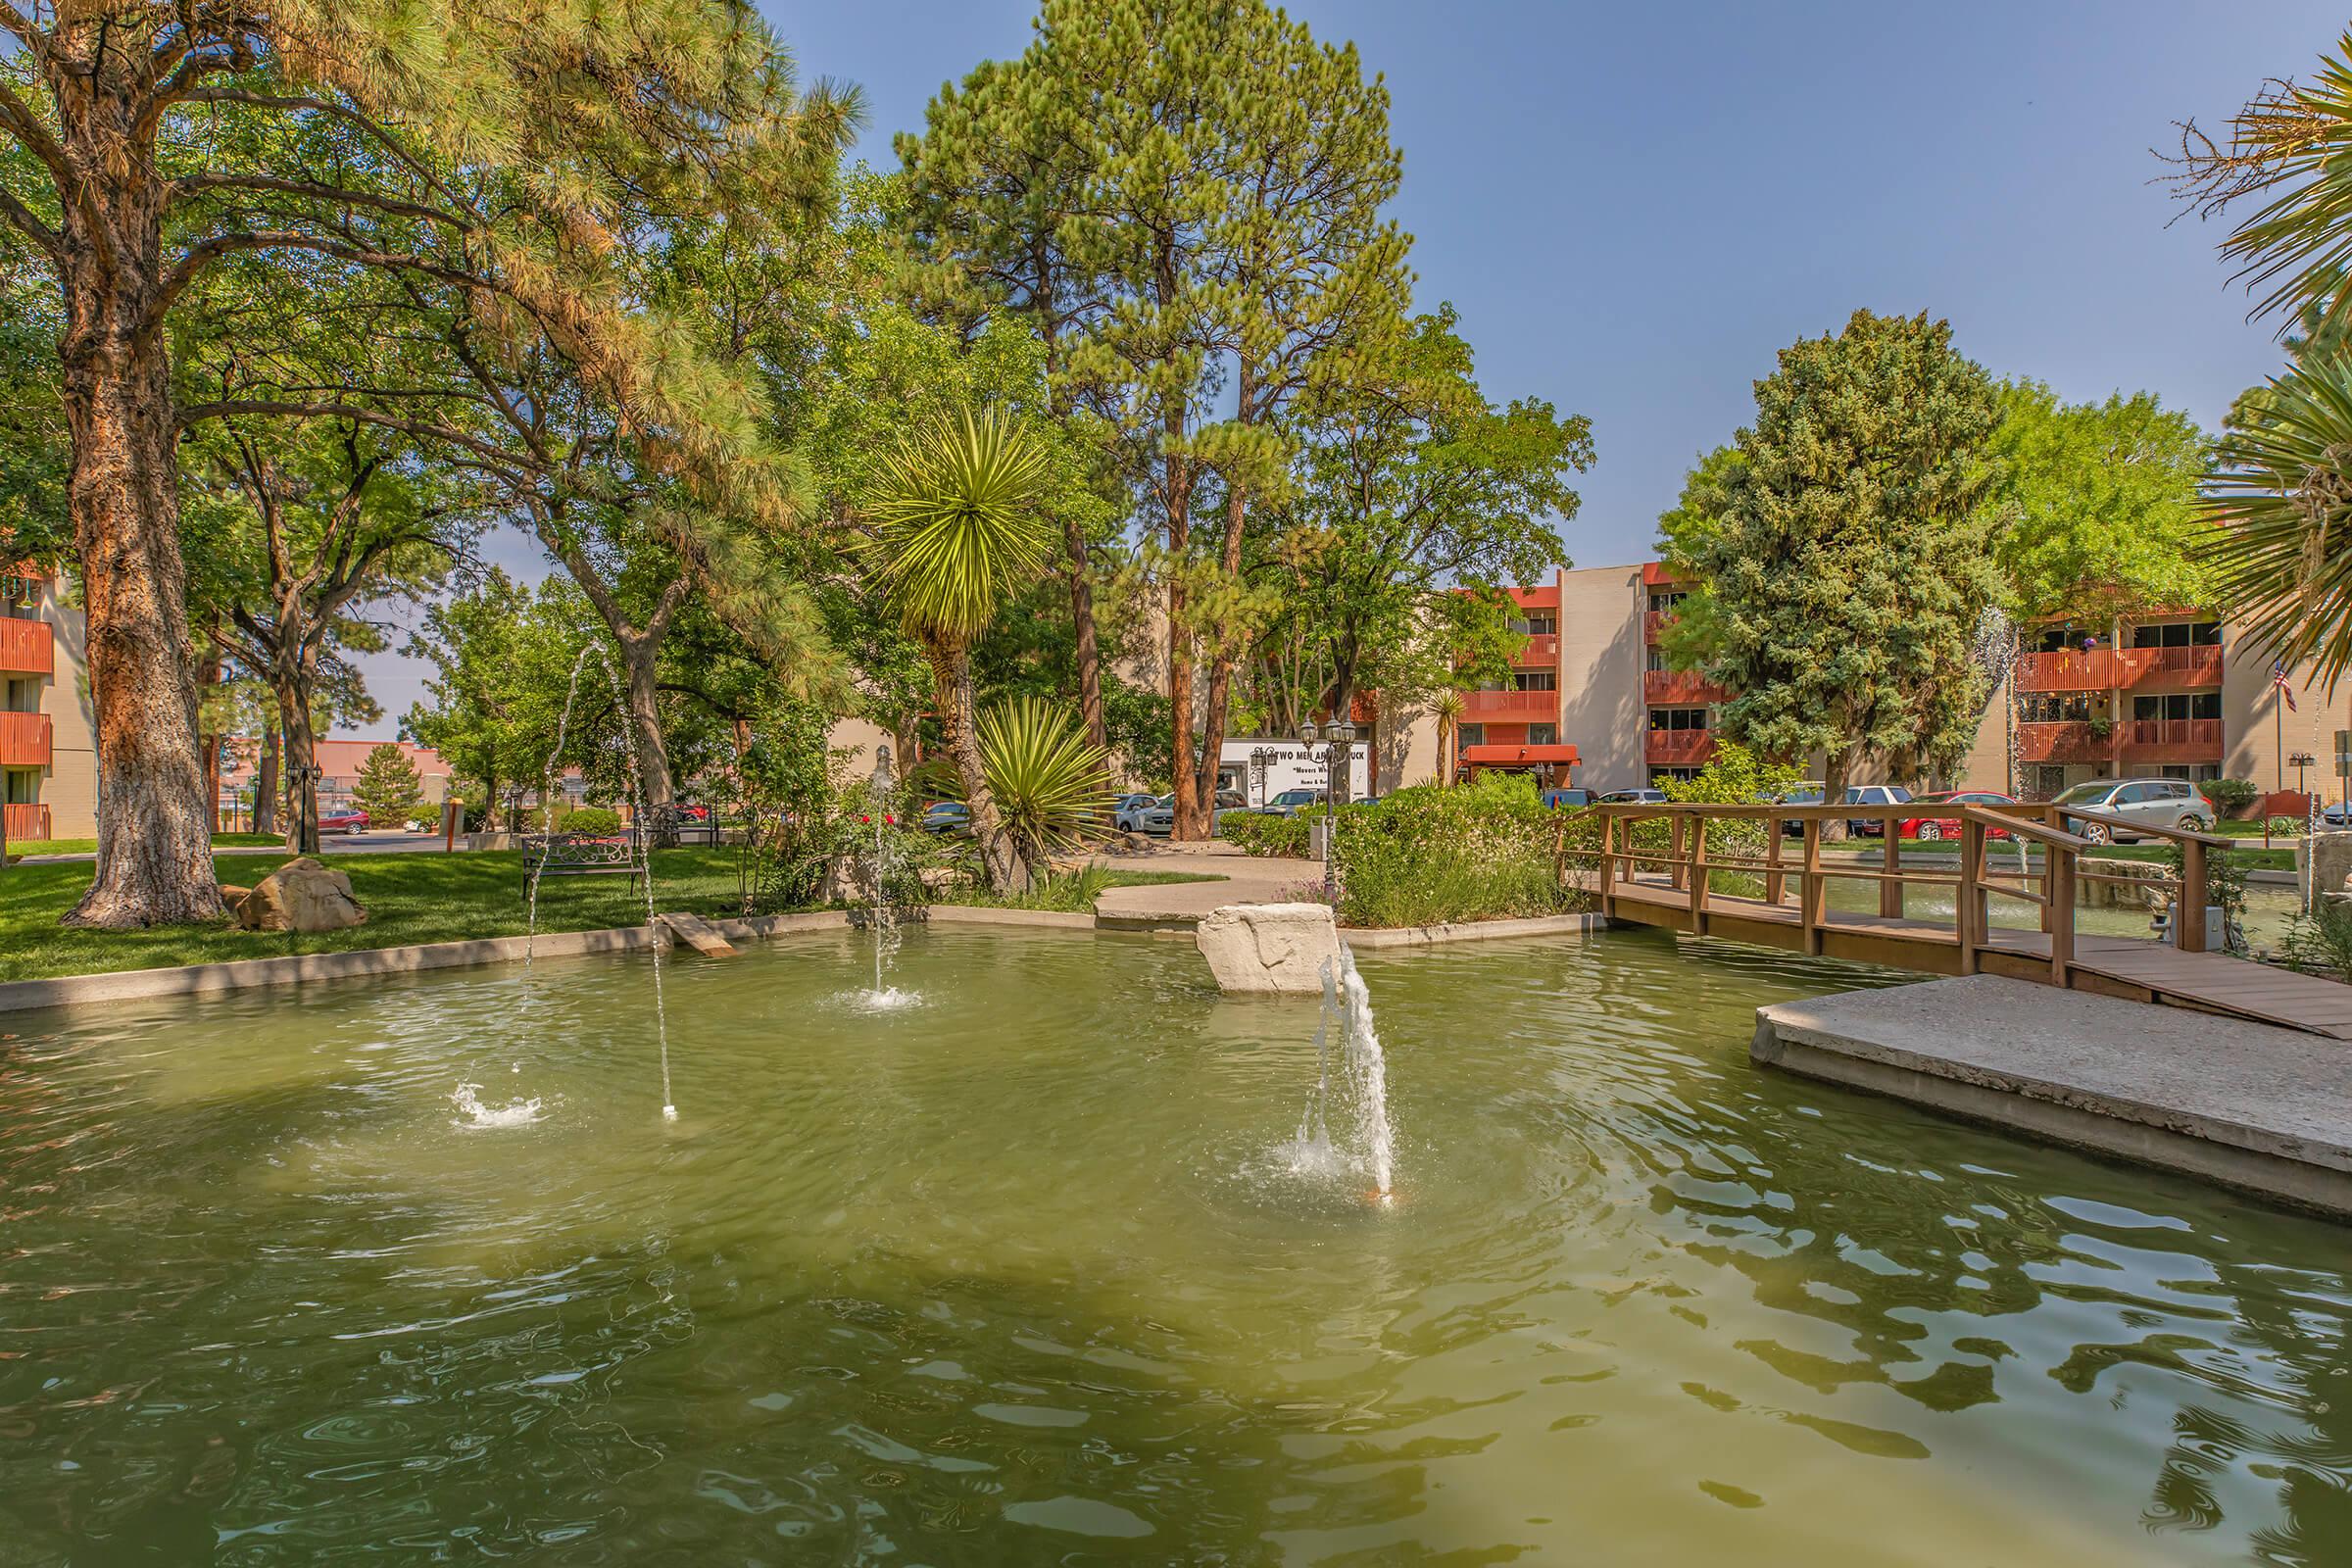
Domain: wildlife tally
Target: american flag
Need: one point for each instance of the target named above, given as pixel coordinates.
(2279, 679)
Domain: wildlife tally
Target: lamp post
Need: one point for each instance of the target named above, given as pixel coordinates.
(1338, 736)
(1261, 758)
(2299, 762)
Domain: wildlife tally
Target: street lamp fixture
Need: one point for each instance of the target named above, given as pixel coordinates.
(1338, 735)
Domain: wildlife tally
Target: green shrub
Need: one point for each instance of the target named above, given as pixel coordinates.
(1254, 834)
(2230, 796)
(2320, 942)
(1427, 855)
(590, 820)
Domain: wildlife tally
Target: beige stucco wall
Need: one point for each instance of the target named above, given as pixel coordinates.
(2256, 734)
(1603, 714)
(70, 788)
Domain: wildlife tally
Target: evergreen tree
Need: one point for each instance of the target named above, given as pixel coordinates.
(1848, 551)
(502, 155)
(388, 788)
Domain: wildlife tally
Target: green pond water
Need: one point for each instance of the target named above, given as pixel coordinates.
(1015, 1274)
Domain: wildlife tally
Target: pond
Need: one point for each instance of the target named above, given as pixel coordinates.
(1016, 1274)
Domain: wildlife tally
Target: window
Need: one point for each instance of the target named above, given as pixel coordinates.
(1677, 719)
(21, 786)
(1664, 598)
(1543, 734)
(20, 696)
(2178, 634)
(1536, 680)
(2135, 793)
(1469, 735)
(1657, 662)
(2054, 708)
(2177, 704)
(1537, 623)
(2177, 770)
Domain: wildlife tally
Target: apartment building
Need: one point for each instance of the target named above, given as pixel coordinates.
(2164, 693)
(48, 751)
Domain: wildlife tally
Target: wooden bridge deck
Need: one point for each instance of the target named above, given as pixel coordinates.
(2131, 967)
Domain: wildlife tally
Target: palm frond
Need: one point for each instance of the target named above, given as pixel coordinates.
(956, 514)
(2281, 498)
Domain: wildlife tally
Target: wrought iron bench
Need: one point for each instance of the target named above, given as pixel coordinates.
(548, 854)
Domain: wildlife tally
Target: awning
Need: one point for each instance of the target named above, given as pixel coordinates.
(1519, 756)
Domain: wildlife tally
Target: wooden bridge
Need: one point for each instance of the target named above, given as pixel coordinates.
(1666, 865)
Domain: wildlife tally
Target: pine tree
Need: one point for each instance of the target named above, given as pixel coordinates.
(1849, 552)
(502, 154)
(388, 788)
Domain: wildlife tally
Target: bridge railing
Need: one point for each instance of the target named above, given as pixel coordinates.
(1691, 859)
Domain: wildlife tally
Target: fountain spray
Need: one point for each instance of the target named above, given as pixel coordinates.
(546, 817)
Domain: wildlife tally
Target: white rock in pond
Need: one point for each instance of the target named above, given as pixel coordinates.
(1268, 947)
(300, 896)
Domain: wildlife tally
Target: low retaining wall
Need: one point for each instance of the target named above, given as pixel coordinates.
(360, 963)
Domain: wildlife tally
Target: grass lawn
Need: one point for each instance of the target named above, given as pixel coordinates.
(24, 847)
(408, 898)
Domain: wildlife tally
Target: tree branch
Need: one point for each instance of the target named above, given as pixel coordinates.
(28, 223)
(317, 190)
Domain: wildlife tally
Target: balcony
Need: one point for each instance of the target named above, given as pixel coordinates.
(1652, 622)
(1680, 688)
(2069, 742)
(1542, 651)
(2172, 740)
(2099, 670)
(1511, 707)
(2069, 669)
(2169, 667)
(26, 824)
(26, 647)
(23, 740)
(1680, 747)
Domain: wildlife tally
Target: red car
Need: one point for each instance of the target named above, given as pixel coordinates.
(350, 821)
(1932, 828)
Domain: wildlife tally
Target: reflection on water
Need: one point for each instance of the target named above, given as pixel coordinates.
(1009, 1278)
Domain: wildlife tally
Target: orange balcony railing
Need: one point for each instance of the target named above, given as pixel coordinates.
(26, 824)
(1678, 688)
(2069, 669)
(24, 740)
(1511, 708)
(2072, 741)
(26, 647)
(1652, 622)
(2169, 667)
(2172, 740)
(1542, 650)
(1680, 747)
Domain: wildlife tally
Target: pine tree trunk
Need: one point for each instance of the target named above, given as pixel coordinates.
(302, 751)
(1836, 767)
(641, 658)
(264, 783)
(952, 673)
(155, 850)
(1088, 651)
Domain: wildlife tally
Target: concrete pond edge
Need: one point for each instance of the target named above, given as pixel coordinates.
(360, 963)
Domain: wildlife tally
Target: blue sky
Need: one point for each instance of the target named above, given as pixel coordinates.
(1634, 205)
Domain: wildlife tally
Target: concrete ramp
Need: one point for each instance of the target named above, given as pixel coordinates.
(699, 934)
(2265, 1109)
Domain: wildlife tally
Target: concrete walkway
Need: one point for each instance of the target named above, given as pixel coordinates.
(2246, 1104)
(1245, 879)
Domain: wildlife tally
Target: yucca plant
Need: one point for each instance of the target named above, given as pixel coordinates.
(1051, 785)
(2280, 496)
(1448, 706)
(956, 515)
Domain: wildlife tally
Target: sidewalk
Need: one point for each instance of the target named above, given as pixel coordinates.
(1248, 879)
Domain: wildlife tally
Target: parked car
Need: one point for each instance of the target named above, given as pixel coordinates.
(1289, 801)
(947, 816)
(1567, 798)
(2337, 816)
(1160, 819)
(1873, 795)
(2163, 802)
(1929, 828)
(352, 821)
(1127, 812)
(1634, 797)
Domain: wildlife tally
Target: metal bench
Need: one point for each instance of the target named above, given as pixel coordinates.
(669, 824)
(545, 855)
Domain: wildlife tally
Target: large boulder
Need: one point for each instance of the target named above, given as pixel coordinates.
(1276, 948)
(300, 896)
(2322, 863)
